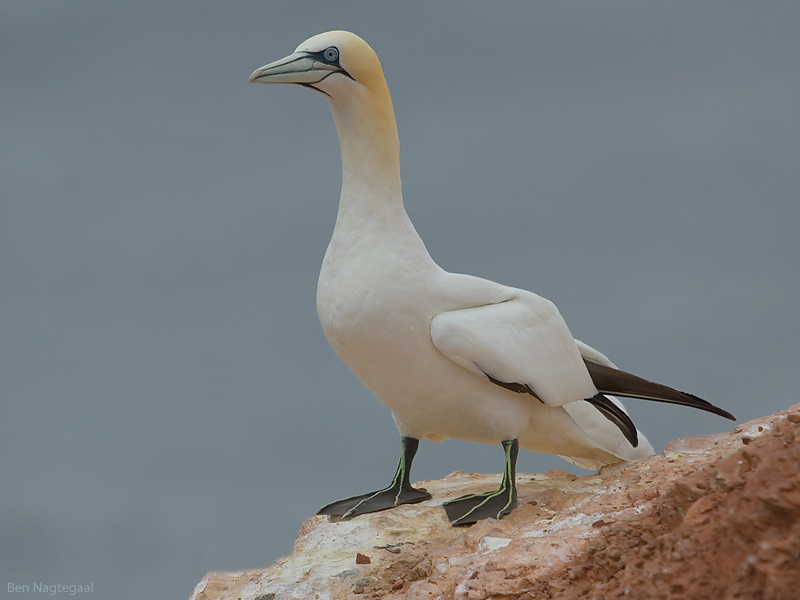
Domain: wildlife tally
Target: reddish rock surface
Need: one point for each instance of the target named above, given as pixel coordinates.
(713, 517)
(729, 529)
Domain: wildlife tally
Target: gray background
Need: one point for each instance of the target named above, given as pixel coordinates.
(169, 403)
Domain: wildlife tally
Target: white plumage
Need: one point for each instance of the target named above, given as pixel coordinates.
(434, 346)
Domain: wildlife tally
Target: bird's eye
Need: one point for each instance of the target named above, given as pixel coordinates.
(331, 54)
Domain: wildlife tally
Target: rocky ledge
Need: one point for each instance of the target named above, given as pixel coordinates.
(712, 517)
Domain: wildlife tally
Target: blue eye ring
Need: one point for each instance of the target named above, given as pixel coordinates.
(331, 54)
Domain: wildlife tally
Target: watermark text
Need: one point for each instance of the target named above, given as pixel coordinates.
(50, 588)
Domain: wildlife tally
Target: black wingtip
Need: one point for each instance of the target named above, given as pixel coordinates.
(621, 383)
(616, 415)
(707, 406)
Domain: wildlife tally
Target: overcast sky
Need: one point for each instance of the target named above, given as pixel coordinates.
(169, 404)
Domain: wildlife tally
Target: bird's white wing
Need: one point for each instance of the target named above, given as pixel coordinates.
(522, 342)
(595, 356)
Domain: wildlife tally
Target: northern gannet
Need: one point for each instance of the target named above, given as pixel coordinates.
(451, 355)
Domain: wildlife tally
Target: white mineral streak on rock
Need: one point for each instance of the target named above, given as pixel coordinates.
(199, 588)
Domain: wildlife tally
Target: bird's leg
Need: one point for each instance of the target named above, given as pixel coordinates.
(471, 509)
(398, 492)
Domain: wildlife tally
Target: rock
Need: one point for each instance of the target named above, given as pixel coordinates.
(713, 517)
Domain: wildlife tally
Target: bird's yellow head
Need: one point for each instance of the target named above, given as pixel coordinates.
(334, 63)
(342, 66)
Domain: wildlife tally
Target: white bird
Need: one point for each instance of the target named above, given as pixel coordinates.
(452, 356)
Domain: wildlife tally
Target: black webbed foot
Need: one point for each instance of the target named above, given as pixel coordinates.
(471, 509)
(400, 491)
(373, 502)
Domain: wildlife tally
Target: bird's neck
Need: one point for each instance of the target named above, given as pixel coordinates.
(370, 155)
